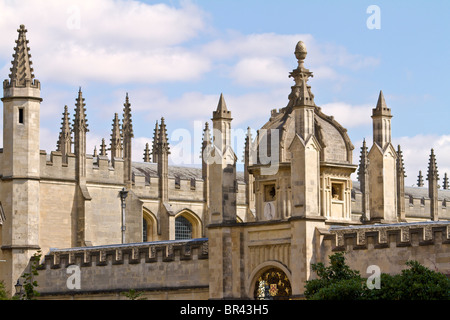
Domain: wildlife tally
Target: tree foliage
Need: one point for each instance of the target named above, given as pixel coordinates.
(30, 284)
(339, 282)
(3, 294)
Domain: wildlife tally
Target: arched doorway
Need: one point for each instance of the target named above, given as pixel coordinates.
(272, 284)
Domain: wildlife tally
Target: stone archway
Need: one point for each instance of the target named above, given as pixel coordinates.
(272, 284)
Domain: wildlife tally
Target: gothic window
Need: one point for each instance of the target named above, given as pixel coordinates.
(144, 230)
(192, 183)
(177, 182)
(148, 223)
(411, 200)
(444, 203)
(422, 201)
(183, 228)
(273, 284)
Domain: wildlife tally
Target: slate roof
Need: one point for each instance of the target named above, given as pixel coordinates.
(150, 170)
(416, 192)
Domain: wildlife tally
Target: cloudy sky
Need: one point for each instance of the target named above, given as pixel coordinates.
(175, 58)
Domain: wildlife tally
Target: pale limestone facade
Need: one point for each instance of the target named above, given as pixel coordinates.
(283, 214)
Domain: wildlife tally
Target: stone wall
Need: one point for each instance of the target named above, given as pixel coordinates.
(390, 246)
(162, 270)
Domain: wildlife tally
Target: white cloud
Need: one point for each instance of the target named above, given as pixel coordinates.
(256, 71)
(349, 115)
(105, 40)
(416, 154)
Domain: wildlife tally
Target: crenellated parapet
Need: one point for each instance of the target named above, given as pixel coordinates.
(132, 253)
(99, 169)
(164, 267)
(388, 236)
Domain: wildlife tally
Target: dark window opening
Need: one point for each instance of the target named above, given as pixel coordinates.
(144, 230)
(21, 115)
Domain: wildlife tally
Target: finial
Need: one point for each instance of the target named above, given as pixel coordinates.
(300, 53)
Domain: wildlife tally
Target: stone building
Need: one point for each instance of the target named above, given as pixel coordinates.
(209, 232)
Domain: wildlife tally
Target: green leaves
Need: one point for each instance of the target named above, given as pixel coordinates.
(30, 284)
(339, 282)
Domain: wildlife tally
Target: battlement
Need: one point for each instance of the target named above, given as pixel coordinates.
(158, 268)
(384, 236)
(417, 203)
(99, 169)
(132, 253)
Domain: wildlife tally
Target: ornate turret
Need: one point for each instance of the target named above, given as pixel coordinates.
(20, 165)
(304, 148)
(433, 177)
(301, 93)
(21, 71)
(222, 124)
(301, 98)
(381, 116)
(383, 167)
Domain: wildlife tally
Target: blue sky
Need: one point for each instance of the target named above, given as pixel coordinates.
(175, 58)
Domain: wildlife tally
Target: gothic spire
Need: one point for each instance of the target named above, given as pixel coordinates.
(381, 108)
(127, 126)
(222, 111)
(206, 135)
(432, 167)
(163, 145)
(80, 121)
(363, 161)
(433, 178)
(64, 143)
(445, 182)
(155, 142)
(103, 148)
(116, 139)
(146, 153)
(21, 70)
(400, 163)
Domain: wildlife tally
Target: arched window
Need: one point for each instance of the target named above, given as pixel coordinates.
(183, 228)
(149, 225)
(144, 230)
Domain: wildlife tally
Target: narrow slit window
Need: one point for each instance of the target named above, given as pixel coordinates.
(21, 115)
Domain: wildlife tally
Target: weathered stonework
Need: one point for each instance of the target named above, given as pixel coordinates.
(284, 215)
